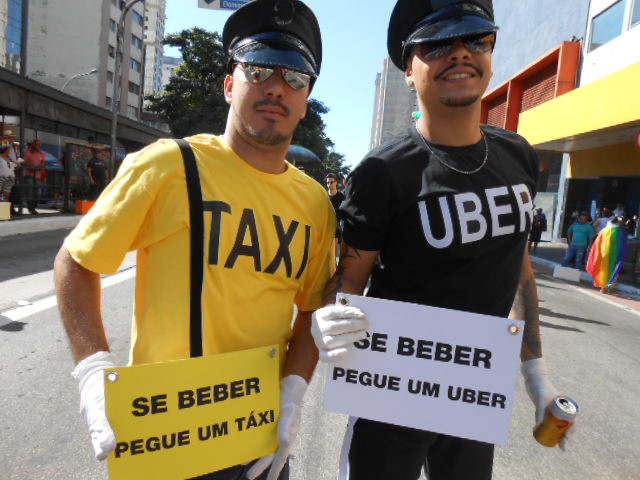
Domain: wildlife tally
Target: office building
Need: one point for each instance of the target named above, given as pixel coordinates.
(393, 105)
(566, 78)
(155, 19)
(68, 39)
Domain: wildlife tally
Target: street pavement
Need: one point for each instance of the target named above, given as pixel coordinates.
(590, 342)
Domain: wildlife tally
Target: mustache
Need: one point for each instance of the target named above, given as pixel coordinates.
(455, 65)
(268, 101)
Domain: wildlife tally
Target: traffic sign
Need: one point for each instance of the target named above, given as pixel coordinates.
(222, 4)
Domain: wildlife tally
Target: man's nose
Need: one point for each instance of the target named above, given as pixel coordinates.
(458, 50)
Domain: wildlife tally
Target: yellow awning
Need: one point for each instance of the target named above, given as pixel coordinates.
(604, 112)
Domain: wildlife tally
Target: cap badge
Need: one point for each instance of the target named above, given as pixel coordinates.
(283, 12)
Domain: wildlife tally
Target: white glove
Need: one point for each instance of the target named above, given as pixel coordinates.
(292, 390)
(336, 328)
(90, 373)
(541, 392)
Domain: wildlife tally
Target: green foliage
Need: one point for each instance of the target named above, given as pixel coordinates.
(193, 101)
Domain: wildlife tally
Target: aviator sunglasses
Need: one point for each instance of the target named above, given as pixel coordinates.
(475, 44)
(257, 74)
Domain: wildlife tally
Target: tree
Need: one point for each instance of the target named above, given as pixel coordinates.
(193, 101)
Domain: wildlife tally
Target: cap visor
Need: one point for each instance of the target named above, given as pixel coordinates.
(452, 28)
(266, 56)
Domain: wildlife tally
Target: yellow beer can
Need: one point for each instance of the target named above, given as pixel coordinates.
(561, 415)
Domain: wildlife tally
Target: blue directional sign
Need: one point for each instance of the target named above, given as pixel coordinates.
(222, 4)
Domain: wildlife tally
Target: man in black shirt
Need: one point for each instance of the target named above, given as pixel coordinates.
(97, 169)
(444, 208)
(336, 197)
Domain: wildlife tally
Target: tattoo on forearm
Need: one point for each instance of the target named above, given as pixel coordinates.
(525, 307)
(336, 282)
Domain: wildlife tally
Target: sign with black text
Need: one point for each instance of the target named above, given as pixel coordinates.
(429, 368)
(190, 417)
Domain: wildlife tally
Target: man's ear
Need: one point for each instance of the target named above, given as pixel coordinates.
(306, 109)
(228, 88)
(408, 76)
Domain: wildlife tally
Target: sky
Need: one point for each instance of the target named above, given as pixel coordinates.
(354, 39)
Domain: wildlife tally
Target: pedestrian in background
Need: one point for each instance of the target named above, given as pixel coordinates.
(7, 167)
(601, 220)
(425, 205)
(271, 235)
(538, 225)
(579, 237)
(607, 255)
(98, 173)
(34, 163)
(336, 197)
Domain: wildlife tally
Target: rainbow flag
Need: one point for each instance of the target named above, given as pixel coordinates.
(606, 256)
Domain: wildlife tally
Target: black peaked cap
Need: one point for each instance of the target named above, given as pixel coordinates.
(416, 21)
(273, 23)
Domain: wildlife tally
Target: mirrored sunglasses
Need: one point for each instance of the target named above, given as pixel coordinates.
(257, 74)
(475, 44)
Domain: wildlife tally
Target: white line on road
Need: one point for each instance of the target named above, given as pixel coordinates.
(38, 306)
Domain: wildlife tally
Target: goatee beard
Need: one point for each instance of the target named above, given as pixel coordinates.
(459, 101)
(266, 136)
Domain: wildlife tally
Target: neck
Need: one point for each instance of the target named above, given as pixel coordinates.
(266, 158)
(452, 126)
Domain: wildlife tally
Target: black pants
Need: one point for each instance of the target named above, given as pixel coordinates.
(379, 451)
(239, 473)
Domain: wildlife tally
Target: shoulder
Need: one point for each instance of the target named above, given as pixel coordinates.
(391, 156)
(498, 134)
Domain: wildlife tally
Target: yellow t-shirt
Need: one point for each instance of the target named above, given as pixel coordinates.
(268, 244)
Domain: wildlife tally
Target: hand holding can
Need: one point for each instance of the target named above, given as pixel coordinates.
(560, 416)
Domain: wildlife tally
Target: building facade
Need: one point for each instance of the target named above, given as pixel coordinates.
(11, 12)
(169, 64)
(65, 46)
(565, 77)
(155, 18)
(394, 102)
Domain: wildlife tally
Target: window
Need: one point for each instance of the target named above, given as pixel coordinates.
(137, 18)
(107, 101)
(132, 111)
(134, 88)
(135, 65)
(114, 3)
(607, 25)
(109, 76)
(635, 13)
(114, 26)
(136, 41)
(112, 51)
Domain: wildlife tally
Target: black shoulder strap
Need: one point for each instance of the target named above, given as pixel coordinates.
(197, 247)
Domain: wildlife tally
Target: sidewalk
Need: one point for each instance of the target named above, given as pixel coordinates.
(46, 219)
(550, 254)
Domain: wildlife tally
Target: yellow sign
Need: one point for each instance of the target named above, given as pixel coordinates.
(180, 419)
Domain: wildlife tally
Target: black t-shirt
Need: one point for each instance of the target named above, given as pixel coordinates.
(336, 200)
(446, 239)
(98, 169)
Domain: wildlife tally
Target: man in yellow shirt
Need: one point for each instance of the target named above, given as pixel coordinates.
(268, 232)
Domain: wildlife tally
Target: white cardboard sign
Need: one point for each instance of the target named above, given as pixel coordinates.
(430, 368)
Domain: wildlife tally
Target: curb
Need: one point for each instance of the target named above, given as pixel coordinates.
(33, 225)
(585, 277)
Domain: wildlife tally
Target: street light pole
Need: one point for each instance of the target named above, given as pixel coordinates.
(78, 75)
(115, 99)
